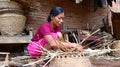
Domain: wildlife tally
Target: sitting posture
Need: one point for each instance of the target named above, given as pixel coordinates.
(49, 35)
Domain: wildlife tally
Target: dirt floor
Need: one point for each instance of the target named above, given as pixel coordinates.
(95, 62)
(23, 58)
(19, 60)
(103, 63)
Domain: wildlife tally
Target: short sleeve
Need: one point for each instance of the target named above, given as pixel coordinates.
(45, 30)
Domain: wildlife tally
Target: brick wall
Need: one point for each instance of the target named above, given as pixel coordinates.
(77, 15)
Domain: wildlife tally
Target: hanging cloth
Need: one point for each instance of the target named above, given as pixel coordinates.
(95, 5)
(110, 2)
(104, 2)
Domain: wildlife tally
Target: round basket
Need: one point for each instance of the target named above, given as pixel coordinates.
(116, 45)
(9, 5)
(11, 23)
(4, 11)
(70, 61)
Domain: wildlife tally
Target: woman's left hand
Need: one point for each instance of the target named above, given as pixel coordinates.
(77, 46)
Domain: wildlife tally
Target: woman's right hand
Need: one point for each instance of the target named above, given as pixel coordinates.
(54, 47)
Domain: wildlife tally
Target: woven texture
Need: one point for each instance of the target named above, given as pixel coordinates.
(11, 24)
(9, 5)
(116, 45)
(70, 61)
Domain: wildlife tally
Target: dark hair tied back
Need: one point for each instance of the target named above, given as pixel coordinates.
(54, 12)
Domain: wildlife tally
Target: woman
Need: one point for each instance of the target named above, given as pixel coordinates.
(47, 34)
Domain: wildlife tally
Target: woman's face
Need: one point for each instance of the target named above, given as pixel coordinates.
(57, 20)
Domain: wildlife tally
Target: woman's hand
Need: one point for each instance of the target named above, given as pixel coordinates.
(62, 45)
(79, 47)
(54, 47)
(67, 46)
(76, 46)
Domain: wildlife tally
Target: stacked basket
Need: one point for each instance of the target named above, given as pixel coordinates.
(116, 45)
(12, 20)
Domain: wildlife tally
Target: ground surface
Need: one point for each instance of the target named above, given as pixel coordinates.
(23, 58)
(102, 63)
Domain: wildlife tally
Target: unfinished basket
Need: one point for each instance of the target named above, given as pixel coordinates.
(11, 23)
(116, 45)
(70, 61)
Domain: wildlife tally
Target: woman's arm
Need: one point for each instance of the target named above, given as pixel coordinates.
(55, 44)
(60, 36)
(51, 41)
(67, 45)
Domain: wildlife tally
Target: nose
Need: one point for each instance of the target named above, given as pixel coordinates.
(61, 20)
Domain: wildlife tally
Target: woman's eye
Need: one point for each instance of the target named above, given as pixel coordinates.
(60, 18)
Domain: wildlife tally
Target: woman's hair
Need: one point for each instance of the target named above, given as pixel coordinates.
(54, 12)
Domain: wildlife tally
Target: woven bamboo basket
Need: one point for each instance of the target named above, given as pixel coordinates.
(116, 45)
(12, 20)
(70, 61)
(9, 5)
(11, 23)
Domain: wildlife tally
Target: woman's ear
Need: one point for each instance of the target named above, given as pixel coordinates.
(51, 17)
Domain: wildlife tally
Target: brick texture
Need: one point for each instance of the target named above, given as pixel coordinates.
(77, 15)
